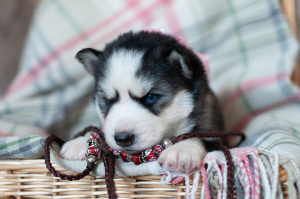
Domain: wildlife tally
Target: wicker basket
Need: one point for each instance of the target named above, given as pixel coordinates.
(31, 179)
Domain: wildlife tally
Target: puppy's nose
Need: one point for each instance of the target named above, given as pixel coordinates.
(124, 138)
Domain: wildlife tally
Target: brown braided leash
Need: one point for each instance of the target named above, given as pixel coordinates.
(109, 158)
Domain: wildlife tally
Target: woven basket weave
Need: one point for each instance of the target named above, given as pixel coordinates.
(31, 179)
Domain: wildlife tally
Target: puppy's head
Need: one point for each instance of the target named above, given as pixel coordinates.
(146, 88)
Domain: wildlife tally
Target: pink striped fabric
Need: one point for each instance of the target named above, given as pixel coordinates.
(205, 181)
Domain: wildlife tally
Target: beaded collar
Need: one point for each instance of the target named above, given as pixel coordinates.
(149, 155)
(93, 154)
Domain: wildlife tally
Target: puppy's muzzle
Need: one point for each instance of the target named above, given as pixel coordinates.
(124, 138)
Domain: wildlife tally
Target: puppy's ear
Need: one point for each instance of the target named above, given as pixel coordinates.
(185, 60)
(89, 57)
(179, 62)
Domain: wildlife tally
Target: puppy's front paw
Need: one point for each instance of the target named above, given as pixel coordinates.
(183, 157)
(74, 149)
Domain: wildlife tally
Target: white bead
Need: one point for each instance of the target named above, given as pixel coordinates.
(129, 157)
(92, 158)
(93, 143)
(166, 143)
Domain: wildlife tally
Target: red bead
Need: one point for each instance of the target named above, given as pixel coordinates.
(124, 157)
(136, 159)
(94, 150)
(150, 155)
(157, 149)
(95, 136)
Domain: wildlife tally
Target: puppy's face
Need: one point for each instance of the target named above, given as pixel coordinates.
(140, 96)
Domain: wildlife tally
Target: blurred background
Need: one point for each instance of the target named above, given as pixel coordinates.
(15, 17)
(251, 46)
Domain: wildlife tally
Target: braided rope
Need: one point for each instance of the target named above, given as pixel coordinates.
(56, 173)
(230, 172)
(185, 136)
(109, 159)
(93, 129)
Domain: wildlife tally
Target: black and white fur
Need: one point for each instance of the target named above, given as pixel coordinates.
(142, 64)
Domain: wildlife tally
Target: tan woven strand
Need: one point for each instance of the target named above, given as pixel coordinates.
(31, 179)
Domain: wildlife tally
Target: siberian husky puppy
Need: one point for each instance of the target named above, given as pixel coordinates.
(149, 87)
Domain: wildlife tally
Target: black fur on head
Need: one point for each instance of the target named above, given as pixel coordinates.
(154, 44)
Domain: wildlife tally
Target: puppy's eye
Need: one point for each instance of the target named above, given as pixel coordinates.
(151, 98)
(109, 101)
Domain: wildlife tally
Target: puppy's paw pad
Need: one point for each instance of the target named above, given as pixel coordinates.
(74, 149)
(181, 159)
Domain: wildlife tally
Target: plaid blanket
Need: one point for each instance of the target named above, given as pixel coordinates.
(252, 53)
